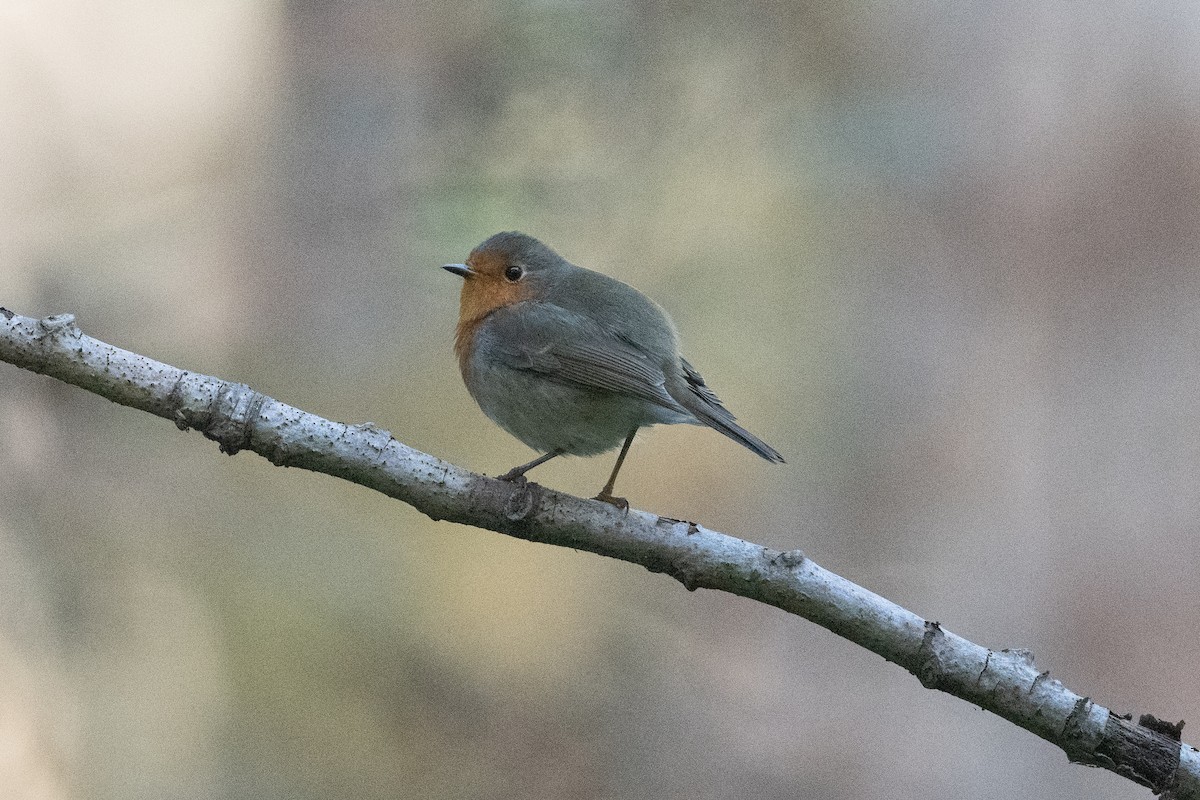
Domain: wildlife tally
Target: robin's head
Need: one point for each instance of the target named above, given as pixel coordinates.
(506, 269)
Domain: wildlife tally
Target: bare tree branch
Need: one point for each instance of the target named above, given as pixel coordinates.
(1005, 682)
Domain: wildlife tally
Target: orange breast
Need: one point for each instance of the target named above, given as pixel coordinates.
(464, 342)
(483, 293)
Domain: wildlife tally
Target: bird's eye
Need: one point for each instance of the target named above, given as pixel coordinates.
(514, 273)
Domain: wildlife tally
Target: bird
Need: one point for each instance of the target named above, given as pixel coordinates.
(571, 361)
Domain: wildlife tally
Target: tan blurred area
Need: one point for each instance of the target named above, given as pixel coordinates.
(946, 258)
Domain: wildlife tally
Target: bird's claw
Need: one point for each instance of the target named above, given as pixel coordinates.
(619, 502)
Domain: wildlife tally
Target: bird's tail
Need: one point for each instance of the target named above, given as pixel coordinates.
(705, 406)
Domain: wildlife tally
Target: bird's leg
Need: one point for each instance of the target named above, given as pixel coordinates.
(606, 494)
(517, 472)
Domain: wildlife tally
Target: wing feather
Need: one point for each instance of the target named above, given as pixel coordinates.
(568, 347)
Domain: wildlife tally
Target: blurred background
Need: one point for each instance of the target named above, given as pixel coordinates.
(946, 257)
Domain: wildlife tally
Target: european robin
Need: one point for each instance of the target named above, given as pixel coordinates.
(570, 361)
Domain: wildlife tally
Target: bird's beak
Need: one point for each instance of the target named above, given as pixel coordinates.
(461, 270)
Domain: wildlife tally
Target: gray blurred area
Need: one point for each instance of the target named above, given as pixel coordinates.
(946, 257)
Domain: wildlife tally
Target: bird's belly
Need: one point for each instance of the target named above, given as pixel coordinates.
(550, 415)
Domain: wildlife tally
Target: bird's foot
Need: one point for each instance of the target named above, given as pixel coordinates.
(514, 475)
(619, 502)
(517, 472)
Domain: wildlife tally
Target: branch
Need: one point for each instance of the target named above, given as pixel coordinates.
(1005, 682)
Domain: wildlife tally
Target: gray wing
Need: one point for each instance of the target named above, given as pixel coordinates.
(570, 348)
(702, 402)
